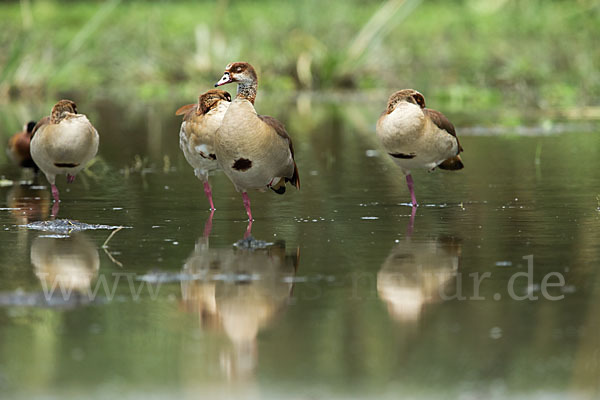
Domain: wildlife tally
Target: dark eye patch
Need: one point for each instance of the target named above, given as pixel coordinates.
(418, 98)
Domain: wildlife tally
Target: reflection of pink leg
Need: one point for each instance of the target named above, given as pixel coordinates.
(208, 193)
(411, 189)
(55, 193)
(208, 224)
(248, 230)
(247, 205)
(55, 208)
(70, 178)
(411, 222)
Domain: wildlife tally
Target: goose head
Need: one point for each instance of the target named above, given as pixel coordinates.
(239, 72)
(60, 110)
(211, 99)
(405, 95)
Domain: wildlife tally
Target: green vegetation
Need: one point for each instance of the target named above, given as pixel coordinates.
(475, 54)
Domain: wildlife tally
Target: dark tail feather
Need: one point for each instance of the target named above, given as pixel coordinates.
(452, 164)
(279, 188)
(295, 179)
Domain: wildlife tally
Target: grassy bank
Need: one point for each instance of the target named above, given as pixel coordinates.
(476, 54)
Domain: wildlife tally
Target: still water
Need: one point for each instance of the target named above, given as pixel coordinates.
(489, 290)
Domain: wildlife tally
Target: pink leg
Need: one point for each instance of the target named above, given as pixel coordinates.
(248, 230)
(411, 189)
(55, 193)
(208, 224)
(208, 193)
(247, 205)
(70, 178)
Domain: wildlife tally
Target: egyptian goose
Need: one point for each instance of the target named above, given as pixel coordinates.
(196, 136)
(68, 265)
(63, 143)
(418, 273)
(18, 147)
(254, 151)
(228, 297)
(417, 137)
(28, 203)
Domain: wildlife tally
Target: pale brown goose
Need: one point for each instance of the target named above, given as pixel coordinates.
(197, 134)
(417, 137)
(63, 143)
(254, 151)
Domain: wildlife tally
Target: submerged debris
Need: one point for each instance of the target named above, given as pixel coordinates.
(159, 277)
(156, 277)
(250, 243)
(168, 277)
(66, 226)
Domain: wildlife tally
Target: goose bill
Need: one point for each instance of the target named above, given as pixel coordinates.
(225, 79)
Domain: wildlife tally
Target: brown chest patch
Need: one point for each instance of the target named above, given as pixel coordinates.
(20, 146)
(242, 164)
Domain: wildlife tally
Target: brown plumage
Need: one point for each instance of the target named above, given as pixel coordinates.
(59, 112)
(255, 151)
(18, 148)
(417, 137)
(280, 129)
(63, 143)
(197, 133)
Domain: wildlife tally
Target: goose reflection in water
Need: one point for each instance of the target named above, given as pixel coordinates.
(28, 203)
(65, 266)
(417, 273)
(239, 293)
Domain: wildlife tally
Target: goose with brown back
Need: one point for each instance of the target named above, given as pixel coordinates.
(197, 134)
(417, 137)
(63, 143)
(255, 151)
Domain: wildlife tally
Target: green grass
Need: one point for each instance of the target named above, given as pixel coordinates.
(474, 54)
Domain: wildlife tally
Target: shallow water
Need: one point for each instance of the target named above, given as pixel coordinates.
(349, 296)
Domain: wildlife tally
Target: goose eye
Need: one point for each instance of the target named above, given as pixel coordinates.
(419, 100)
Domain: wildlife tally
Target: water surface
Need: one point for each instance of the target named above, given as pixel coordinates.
(351, 295)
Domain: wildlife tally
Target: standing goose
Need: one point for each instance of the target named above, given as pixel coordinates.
(417, 137)
(197, 133)
(18, 147)
(254, 151)
(63, 143)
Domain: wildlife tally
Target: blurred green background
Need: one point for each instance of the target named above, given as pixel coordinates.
(517, 67)
(539, 56)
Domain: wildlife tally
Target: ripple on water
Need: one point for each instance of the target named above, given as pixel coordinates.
(66, 226)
